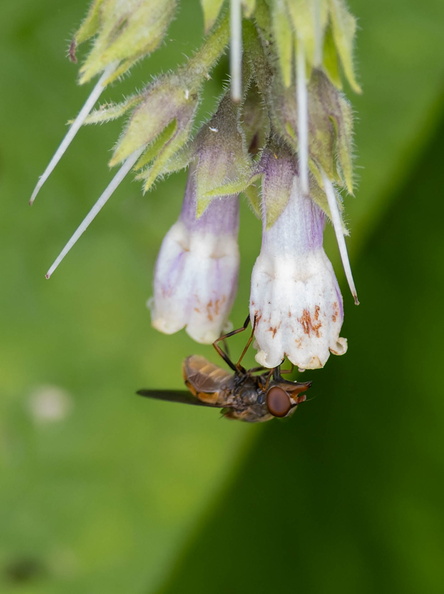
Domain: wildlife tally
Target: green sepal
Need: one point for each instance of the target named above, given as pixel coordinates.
(153, 149)
(180, 160)
(330, 59)
(255, 121)
(344, 148)
(112, 111)
(330, 126)
(230, 188)
(317, 194)
(159, 165)
(262, 16)
(255, 53)
(283, 37)
(309, 19)
(253, 194)
(168, 99)
(249, 7)
(344, 29)
(330, 118)
(125, 33)
(211, 10)
(276, 207)
(91, 24)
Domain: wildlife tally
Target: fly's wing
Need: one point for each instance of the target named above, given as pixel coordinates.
(174, 396)
(206, 380)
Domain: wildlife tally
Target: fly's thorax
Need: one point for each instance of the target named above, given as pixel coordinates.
(260, 399)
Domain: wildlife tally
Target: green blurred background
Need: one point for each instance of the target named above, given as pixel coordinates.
(119, 494)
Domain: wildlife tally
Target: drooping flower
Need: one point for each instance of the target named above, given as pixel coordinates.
(295, 305)
(195, 279)
(196, 272)
(286, 62)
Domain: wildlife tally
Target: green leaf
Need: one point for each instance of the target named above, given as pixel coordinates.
(350, 487)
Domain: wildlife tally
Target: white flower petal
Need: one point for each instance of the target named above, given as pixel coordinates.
(297, 308)
(195, 283)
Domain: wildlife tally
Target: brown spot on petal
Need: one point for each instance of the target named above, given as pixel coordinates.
(183, 246)
(310, 325)
(289, 314)
(274, 329)
(213, 307)
(335, 313)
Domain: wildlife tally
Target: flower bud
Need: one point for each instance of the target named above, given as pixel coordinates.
(125, 30)
(161, 124)
(329, 126)
(165, 113)
(223, 166)
(195, 279)
(295, 305)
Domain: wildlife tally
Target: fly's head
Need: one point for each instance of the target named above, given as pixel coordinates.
(261, 399)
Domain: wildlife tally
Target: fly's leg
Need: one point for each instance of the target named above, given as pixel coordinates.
(284, 371)
(235, 367)
(257, 369)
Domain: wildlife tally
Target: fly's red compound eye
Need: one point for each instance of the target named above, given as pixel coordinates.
(278, 402)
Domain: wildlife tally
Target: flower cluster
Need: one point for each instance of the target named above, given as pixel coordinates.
(281, 135)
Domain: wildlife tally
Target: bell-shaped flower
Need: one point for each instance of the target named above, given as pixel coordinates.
(195, 279)
(295, 305)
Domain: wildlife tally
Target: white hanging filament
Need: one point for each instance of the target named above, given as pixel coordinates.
(337, 225)
(236, 49)
(302, 109)
(117, 179)
(74, 128)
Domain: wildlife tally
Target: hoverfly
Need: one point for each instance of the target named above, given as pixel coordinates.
(247, 394)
